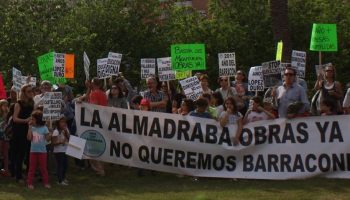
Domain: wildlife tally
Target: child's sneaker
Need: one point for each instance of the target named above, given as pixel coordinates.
(31, 187)
(48, 186)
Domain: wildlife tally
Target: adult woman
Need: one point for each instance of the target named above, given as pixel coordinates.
(329, 89)
(116, 97)
(241, 87)
(205, 84)
(225, 89)
(21, 117)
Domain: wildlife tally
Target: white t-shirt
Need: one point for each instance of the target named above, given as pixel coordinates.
(61, 148)
(232, 118)
(256, 116)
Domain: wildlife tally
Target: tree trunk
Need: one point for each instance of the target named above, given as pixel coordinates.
(280, 27)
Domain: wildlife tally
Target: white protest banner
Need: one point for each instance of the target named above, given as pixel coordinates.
(299, 62)
(52, 106)
(148, 67)
(58, 64)
(271, 149)
(271, 73)
(165, 72)
(16, 79)
(192, 87)
(86, 66)
(102, 68)
(255, 79)
(227, 64)
(76, 147)
(113, 63)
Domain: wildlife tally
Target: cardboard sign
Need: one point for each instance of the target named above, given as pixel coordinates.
(45, 63)
(255, 79)
(52, 106)
(86, 66)
(298, 62)
(227, 64)
(58, 65)
(165, 72)
(192, 87)
(271, 74)
(324, 37)
(148, 67)
(16, 79)
(76, 147)
(182, 74)
(102, 68)
(69, 66)
(113, 63)
(2, 88)
(186, 57)
(279, 51)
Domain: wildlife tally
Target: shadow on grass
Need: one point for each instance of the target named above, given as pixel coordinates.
(123, 183)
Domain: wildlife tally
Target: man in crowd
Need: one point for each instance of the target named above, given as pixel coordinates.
(157, 98)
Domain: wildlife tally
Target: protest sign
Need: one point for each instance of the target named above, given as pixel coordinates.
(102, 68)
(192, 87)
(86, 66)
(269, 149)
(186, 57)
(279, 50)
(271, 74)
(182, 74)
(52, 106)
(76, 147)
(28, 80)
(148, 67)
(165, 72)
(58, 65)
(16, 79)
(46, 63)
(2, 88)
(298, 62)
(113, 63)
(324, 37)
(69, 65)
(227, 64)
(255, 79)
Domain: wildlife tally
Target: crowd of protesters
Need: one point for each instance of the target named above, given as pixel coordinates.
(26, 139)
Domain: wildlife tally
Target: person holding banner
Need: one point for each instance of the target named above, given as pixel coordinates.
(21, 118)
(158, 100)
(329, 89)
(116, 97)
(231, 115)
(256, 111)
(288, 93)
(225, 89)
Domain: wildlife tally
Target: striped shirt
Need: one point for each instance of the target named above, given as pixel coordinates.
(159, 96)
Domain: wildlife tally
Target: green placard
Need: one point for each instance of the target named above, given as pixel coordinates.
(186, 57)
(279, 50)
(324, 37)
(45, 63)
(183, 74)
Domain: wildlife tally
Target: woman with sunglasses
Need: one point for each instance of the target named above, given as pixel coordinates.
(225, 89)
(329, 89)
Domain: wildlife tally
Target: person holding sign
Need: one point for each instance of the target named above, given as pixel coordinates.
(329, 89)
(231, 115)
(21, 118)
(157, 98)
(39, 99)
(288, 93)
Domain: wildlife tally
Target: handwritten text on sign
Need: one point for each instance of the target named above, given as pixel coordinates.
(188, 57)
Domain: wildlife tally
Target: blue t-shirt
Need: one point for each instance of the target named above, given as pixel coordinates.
(202, 115)
(38, 143)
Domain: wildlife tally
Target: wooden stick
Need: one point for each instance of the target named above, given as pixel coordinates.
(320, 58)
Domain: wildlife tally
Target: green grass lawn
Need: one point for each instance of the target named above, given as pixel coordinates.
(122, 183)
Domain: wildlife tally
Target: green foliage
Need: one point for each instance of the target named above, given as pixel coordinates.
(144, 29)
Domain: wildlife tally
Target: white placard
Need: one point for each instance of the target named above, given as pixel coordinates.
(227, 64)
(113, 63)
(76, 147)
(165, 73)
(16, 79)
(192, 87)
(102, 68)
(148, 67)
(255, 79)
(52, 106)
(271, 74)
(86, 66)
(299, 62)
(58, 64)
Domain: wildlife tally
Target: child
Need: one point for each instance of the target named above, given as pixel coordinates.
(38, 134)
(201, 109)
(4, 140)
(328, 107)
(60, 138)
(256, 112)
(231, 115)
(145, 105)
